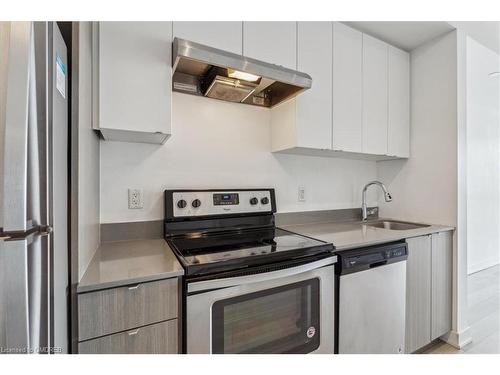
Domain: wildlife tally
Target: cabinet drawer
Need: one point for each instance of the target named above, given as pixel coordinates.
(119, 309)
(160, 338)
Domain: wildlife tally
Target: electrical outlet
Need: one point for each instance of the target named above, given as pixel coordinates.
(302, 194)
(135, 199)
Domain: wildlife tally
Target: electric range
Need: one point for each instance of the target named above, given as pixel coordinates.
(249, 286)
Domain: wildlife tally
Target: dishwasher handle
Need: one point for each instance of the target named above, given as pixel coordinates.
(367, 258)
(378, 264)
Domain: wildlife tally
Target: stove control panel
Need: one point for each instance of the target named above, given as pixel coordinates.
(208, 203)
(221, 199)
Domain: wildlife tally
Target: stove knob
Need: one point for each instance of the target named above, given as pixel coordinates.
(196, 203)
(254, 201)
(264, 200)
(182, 203)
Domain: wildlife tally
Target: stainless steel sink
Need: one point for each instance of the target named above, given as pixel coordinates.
(395, 225)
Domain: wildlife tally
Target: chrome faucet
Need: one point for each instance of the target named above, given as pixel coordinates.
(387, 197)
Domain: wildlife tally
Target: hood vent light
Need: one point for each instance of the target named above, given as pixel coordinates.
(206, 71)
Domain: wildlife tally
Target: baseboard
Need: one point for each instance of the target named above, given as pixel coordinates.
(458, 340)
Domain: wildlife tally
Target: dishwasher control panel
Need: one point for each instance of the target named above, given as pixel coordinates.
(395, 253)
(371, 257)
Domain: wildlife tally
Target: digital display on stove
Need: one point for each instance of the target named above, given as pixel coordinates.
(221, 199)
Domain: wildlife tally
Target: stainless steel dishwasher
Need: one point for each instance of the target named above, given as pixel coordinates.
(372, 297)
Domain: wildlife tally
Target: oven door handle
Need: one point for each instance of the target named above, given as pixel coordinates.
(211, 285)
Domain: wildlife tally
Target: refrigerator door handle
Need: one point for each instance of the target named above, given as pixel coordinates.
(45, 230)
(20, 234)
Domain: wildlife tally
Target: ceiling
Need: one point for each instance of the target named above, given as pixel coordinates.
(406, 35)
(485, 32)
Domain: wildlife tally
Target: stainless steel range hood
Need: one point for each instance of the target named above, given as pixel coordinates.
(207, 71)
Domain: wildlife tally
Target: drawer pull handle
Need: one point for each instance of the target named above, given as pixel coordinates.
(132, 333)
(134, 287)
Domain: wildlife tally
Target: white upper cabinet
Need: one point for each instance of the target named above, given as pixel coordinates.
(272, 42)
(358, 105)
(398, 130)
(347, 88)
(306, 121)
(314, 106)
(374, 95)
(132, 78)
(222, 35)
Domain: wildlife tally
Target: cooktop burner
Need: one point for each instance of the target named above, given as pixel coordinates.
(219, 231)
(244, 247)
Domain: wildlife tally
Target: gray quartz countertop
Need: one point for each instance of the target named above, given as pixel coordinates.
(129, 262)
(352, 234)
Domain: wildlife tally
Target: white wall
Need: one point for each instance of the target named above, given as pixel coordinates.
(461, 334)
(88, 157)
(218, 144)
(431, 186)
(424, 187)
(483, 189)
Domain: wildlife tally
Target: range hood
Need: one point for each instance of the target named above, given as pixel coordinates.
(214, 73)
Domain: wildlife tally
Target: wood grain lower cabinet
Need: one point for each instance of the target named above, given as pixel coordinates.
(428, 289)
(418, 293)
(441, 292)
(158, 338)
(119, 309)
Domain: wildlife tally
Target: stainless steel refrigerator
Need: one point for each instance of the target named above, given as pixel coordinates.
(34, 132)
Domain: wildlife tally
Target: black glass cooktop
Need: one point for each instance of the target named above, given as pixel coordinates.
(206, 253)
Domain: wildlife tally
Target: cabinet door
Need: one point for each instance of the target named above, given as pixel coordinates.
(442, 266)
(347, 88)
(418, 293)
(223, 35)
(374, 96)
(272, 42)
(398, 125)
(314, 106)
(135, 76)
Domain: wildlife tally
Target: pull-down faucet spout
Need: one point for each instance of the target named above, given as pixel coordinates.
(387, 197)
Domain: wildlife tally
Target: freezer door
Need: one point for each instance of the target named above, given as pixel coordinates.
(15, 317)
(14, 327)
(24, 324)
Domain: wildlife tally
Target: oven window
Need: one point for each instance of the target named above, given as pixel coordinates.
(279, 320)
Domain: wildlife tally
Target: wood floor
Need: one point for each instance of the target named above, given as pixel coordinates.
(484, 315)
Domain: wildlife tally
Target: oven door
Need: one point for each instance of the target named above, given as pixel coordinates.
(284, 311)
